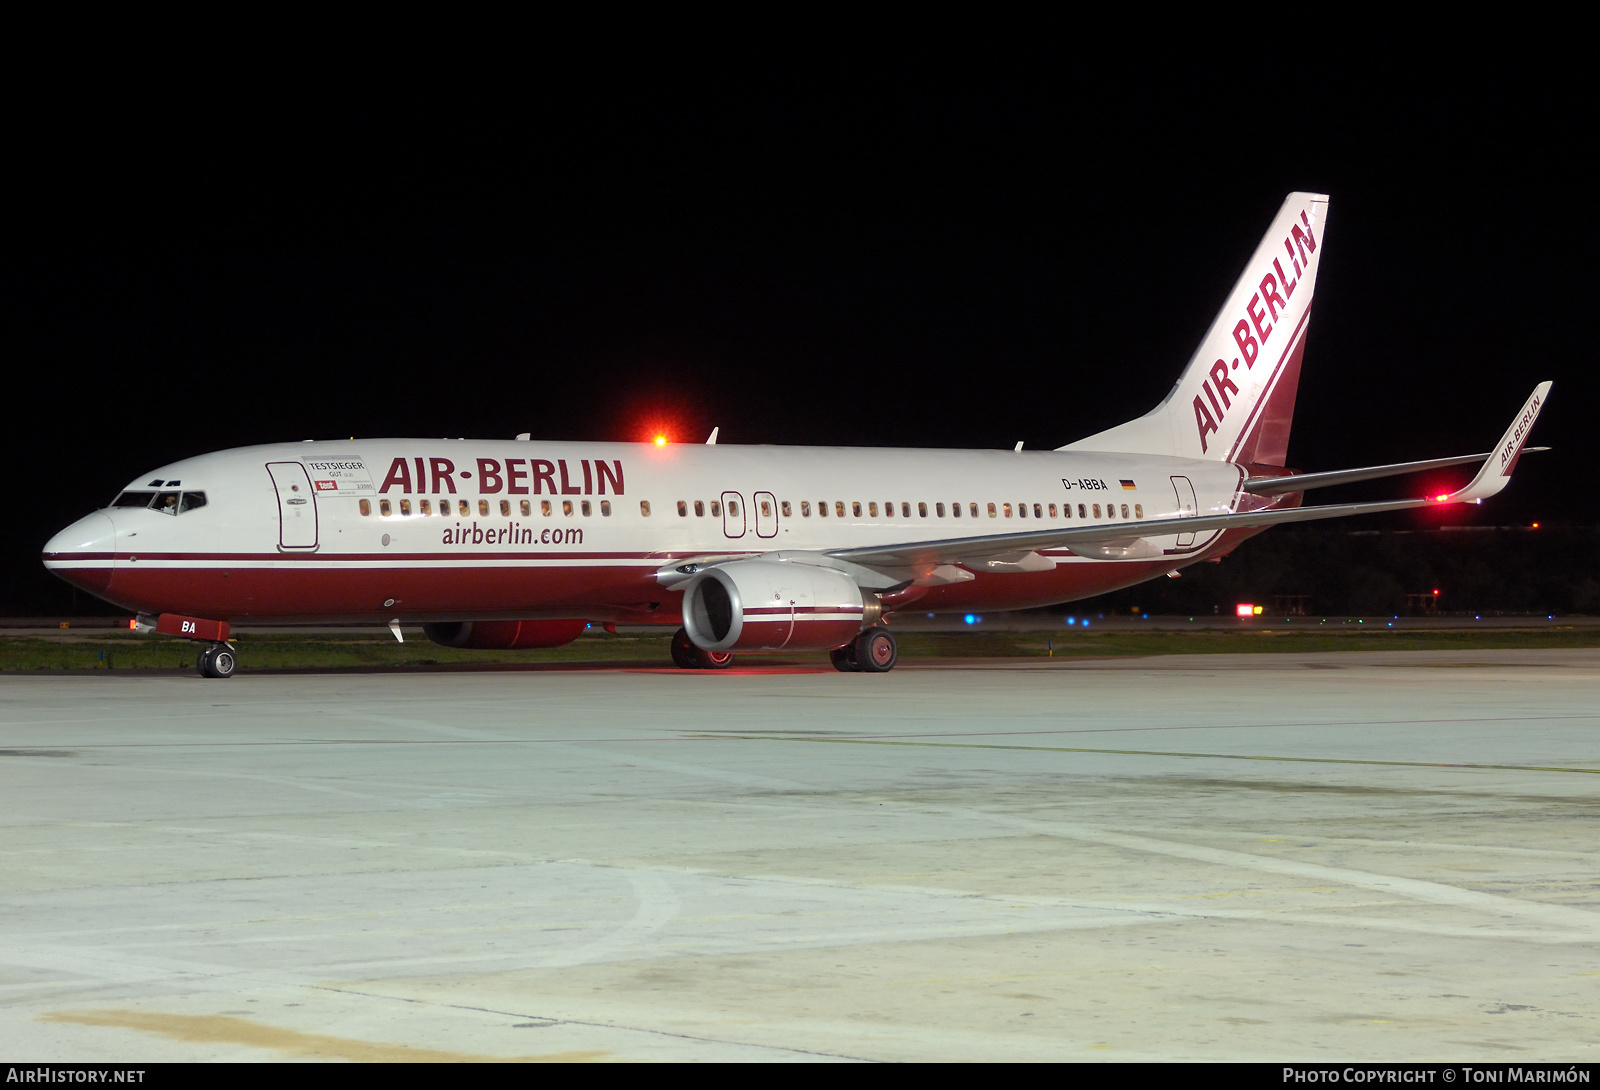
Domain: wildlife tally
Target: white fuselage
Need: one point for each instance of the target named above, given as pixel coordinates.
(456, 529)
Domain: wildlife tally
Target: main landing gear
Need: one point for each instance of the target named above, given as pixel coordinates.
(218, 660)
(872, 652)
(686, 656)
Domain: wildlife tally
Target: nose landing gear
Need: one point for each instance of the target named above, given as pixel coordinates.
(218, 660)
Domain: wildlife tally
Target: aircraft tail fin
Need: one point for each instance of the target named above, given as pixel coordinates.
(1235, 400)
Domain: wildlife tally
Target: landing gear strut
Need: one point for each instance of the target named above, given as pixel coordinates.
(686, 656)
(216, 661)
(872, 652)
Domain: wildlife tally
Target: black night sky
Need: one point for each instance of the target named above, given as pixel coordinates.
(959, 248)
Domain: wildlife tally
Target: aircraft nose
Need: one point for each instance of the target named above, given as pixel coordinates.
(82, 553)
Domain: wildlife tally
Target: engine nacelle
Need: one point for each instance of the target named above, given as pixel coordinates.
(504, 635)
(772, 605)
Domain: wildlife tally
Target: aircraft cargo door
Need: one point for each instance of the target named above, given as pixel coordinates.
(1187, 508)
(297, 506)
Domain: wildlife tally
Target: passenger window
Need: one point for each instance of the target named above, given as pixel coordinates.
(587, 510)
(566, 508)
(733, 509)
(955, 510)
(644, 508)
(544, 508)
(190, 501)
(1022, 510)
(366, 507)
(785, 508)
(716, 509)
(938, 509)
(855, 509)
(922, 510)
(527, 508)
(805, 508)
(683, 509)
(700, 509)
(872, 509)
(505, 508)
(838, 508)
(1081, 511)
(905, 510)
(605, 508)
(991, 511)
(1036, 513)
(405, 508)
(1052, 510)
(766, 508)
(383, 508)
(1138, 510)
(427, 508)
(461, 506)
(822, 509)
(483, 508)
(1124, 510)
(974, 510)
(1097, 510)
(1007, 508)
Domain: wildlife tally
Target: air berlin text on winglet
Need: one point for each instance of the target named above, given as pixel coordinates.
(1251, 336)
(437, 475)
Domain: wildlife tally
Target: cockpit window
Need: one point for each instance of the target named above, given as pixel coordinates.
(171, 503)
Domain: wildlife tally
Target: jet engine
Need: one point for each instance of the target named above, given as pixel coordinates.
(504, 635)
(772, 605)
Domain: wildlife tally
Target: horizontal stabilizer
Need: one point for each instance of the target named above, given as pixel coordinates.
(1302, 482)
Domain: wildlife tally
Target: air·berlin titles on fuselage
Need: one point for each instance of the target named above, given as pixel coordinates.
(437, 476)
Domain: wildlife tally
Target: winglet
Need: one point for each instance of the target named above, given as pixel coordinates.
(712, 441)
(1496, 471)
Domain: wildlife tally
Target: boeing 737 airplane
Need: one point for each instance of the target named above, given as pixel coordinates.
(519, 544)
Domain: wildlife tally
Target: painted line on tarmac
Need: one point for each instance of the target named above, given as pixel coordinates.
(1151, 753)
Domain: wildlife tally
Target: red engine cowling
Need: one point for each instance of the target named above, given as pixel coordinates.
(771, 605)
(504, 635)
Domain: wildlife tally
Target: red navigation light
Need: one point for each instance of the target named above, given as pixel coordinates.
(1244, 609)
(1441, 497)
(661, 440)
(1436, 593)
(1536, 526)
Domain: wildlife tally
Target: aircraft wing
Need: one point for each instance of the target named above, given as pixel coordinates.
(954, 549)
(1121, 538)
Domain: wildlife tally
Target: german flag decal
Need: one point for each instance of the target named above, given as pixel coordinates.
(1128, 486)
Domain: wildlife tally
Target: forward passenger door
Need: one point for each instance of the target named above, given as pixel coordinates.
(297, 506)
